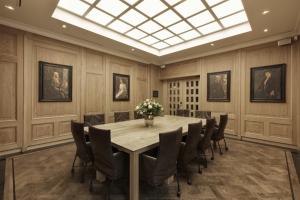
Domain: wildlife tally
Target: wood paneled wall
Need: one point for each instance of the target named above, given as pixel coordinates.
(26, 123)
(275, 123)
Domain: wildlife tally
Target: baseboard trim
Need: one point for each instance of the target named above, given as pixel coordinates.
(274, 144)
(293, 177)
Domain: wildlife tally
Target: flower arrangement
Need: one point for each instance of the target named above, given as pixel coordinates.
(149, 108)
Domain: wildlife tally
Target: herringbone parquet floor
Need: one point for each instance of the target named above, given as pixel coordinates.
(246, 172)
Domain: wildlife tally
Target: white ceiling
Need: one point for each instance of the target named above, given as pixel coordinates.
(35, 16)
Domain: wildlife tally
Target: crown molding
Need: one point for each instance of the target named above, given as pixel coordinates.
(69, 39)
(234, 47)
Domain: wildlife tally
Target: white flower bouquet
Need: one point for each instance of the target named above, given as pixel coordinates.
(149, 108)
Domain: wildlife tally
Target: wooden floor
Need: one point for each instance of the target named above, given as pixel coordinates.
(247, 171)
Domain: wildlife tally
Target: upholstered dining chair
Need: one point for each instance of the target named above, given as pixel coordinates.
(203, 114)
(205, 143)
(183, 113)
(188, 150)
(94, 119)
(137, 115)
(218, 133)
(83, 149)
(156, 169)
(113, 166)
(121, 116)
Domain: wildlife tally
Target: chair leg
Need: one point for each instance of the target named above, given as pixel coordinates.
(72, 170)
(178, 185)
(205, 161)
(83, 172)
(212, 152)
(215, 144)
(226, 148)
(220, 150)
(91, 181)
(108, 188)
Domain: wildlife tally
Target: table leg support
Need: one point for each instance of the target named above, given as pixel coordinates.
(134, 176)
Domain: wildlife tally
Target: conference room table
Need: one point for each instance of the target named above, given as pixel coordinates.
(134, 138)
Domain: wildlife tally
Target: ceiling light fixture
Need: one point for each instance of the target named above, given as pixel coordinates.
(266, 30)
(132, 49)
(64, 26)
(9, 7)
(265, 12)
(212, 44)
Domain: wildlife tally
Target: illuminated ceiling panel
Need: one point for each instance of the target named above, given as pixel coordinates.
(158, 27)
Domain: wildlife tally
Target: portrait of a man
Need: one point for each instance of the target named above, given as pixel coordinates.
(121, 87)
(55, 82)
(218, 86)
(268, 83)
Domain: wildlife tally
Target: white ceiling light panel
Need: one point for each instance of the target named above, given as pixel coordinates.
(160, 45)
(163, 34)
(151, 7)
(136, 34)
(114, 7)
(167, 18)
(180, 27)
(213, 2)
(172, 2)
(190, 7)
(149, 40)
(227, 8)
(131, 2)
(119, 26)
(150, 27)
(90, 1)
(174, 40)
(99, 17)
(133, 17)
(76, 6)
(235, 19)
(190, 35)
(201, 19)
(210, 28)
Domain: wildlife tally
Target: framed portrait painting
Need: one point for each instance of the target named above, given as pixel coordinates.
(55, 82)
(121, 87)
(267, 84)
(218, 86)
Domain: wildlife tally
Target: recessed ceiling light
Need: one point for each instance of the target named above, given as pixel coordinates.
(167, 18)
(201, 19)
(136, 34)
(99, 17)
(119, 26)
(160, 45)
(163, 34)
(76, 6)
(9, 7)
(64, 26)
(190, 7)
(133, 17)
(114, 7)
(234, 19)
(149, 40)
(180, 27)
(227, 8)
(212, 44)
(150, 27)
(132, 49)
(209, 28)
(190, 35)
(151, 7)
(266, 30)
(265, 12)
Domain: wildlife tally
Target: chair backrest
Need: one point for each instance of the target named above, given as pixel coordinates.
(203, 114)
(222, 125)
(102, 150)
(121, 116)
(137, 115)
(205, 141)
(183, 113)
(82, 151)
(192, 141)
(91, 120)
(169, 144)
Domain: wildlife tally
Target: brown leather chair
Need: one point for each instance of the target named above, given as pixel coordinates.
(155, 170)
(121, 116)
(83, 149)
(203, 114)
(113, 165)
(205, 143)
(137, 115)
(218, 133)
(92, 120)
(188, 149)
(183, 113)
